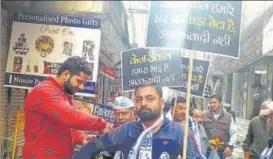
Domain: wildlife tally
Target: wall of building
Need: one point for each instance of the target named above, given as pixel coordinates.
(228, 88)
(251, 86)
(253, 9)
(9, 109)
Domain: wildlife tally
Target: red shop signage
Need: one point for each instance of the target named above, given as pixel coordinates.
(108, 72)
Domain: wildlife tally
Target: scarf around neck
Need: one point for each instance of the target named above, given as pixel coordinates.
(143, 146)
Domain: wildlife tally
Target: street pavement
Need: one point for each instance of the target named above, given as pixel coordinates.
(238, 153)
(242, 126)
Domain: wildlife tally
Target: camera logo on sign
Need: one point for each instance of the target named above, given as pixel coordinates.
(164, 155)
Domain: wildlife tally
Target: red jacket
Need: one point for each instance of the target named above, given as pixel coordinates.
(77, 136)
(50, 119)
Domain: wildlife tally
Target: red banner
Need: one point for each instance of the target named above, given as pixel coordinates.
(108, 72)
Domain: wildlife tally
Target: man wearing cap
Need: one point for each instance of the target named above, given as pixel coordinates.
(227, 107)
(124, 111)
(257, 134)
(268, 151)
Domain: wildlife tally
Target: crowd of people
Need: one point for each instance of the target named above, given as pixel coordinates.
(141, 130)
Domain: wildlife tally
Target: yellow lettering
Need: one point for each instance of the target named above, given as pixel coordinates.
(168, 56)
(133, 59)
(150, 57)
(201, 21)
(198, 21)
(142, 59)
(156, 57)
(218, 24)
(185, 76)
(212, 22)
(231, 25)
(200, 79)
(194, 77)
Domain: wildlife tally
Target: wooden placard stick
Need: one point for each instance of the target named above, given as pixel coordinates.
(188, 106)
(174, 107)
(17, 124)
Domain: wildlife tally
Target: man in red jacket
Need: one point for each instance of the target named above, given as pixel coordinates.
(50, 113)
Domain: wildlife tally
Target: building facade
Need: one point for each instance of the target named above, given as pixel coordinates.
(248, 80)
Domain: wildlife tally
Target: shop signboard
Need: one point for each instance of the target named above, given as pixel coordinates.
(108, 72)
(40, 43)
(104, 111)
(100, 110)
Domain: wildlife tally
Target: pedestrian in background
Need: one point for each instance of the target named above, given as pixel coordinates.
(219, 124)
(198, 116)
(257, 134)
(227, 107)
(111, 101)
